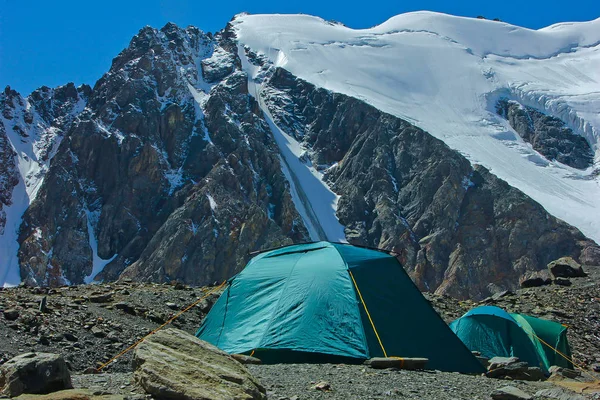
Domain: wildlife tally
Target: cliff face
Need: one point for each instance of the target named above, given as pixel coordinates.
(459, 229)
(169, 169)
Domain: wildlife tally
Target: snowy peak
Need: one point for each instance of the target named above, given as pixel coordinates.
(446, 74)
(479, 36)
(485, 37)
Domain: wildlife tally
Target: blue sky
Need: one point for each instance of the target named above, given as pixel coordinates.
(54, 42)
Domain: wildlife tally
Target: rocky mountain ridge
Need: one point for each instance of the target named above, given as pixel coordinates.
(168, 170)
(457, 228)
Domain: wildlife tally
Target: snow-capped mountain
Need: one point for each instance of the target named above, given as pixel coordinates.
(460, 144)
(445, 74)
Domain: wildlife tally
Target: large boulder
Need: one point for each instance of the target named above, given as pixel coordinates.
(535, 279)
(34, 373)
(513, 368)
(172, 364)
(510, 393)
(566, 267)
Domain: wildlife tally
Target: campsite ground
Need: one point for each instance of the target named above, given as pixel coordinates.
(361, 382)
(90, 324)
(296, 381)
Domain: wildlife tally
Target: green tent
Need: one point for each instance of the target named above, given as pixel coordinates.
(494, 332)
(549, 339)
(329, 302)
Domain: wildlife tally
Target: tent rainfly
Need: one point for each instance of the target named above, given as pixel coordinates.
(494, 332)
(330, 302)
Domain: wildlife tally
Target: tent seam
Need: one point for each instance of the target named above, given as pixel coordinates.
(224, 315)
(287, 282)
(362, 325)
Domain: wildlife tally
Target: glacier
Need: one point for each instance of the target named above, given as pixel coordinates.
(444, 74)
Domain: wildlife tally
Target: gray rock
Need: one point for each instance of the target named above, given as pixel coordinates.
(535, 279)
(510, 393)
(101, 297)
(558, 394)
(562, 282)
(534, 374)
(99, 333)
(564, 372)
(400, 363)
(34, 373)
(322, 386)
(176, 365)
(516, 370)
(113, 336)
(125, 307)
(500, 367)
(157, 317)
(11, 314)
(497, 362)
(566, 267)
(244, 359)
(70, 337)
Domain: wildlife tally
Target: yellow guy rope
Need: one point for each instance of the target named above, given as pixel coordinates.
(562, 355)
(368, 314)
(160, 327)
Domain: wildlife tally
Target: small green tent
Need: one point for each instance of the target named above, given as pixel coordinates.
(330, 302)
(494, 332)
(549, 339)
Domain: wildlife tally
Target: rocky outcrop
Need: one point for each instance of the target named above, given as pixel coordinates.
(172, 364)
(34, 373)
(566, 267)
(458, 229)
(548, 135)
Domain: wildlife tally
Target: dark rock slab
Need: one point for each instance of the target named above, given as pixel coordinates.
(566, 267)
(34, 373)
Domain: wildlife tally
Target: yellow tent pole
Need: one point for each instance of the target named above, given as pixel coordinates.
(368, 314)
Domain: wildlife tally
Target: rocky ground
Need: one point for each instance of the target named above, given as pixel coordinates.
(90, 324)
(300, 381)
(360, 382)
